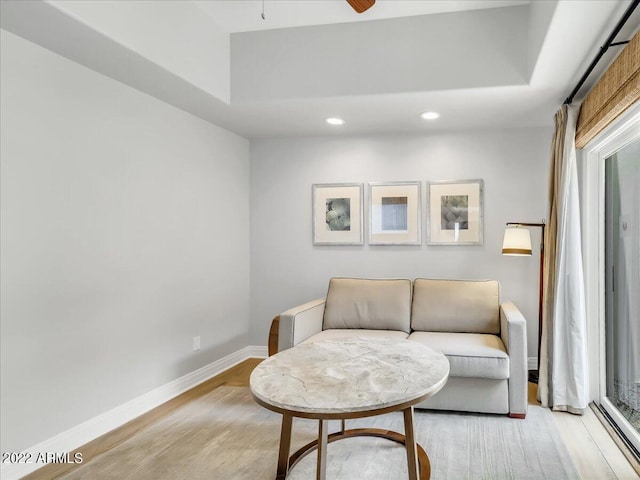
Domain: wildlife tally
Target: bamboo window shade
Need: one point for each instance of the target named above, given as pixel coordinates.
(617, 90)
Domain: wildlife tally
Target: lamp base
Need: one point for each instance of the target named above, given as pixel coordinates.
(533, 376)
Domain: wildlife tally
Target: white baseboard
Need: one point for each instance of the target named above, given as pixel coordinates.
(255, 351)
(532, 363)
(97, 426)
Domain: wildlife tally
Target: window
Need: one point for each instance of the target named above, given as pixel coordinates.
(611, 219)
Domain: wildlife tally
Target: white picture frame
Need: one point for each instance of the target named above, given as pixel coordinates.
(455, 211)
(337, 215)
(394, 213)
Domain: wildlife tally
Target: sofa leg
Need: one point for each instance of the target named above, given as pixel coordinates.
(517, 415)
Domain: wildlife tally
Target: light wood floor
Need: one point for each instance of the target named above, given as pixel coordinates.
(592, 448)
(594, 452)
(236, 376)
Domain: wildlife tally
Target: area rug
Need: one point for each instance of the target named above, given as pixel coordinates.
(225, 435)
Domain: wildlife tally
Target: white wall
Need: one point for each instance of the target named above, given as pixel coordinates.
(172, 33)
(125, 232)
(478, 48)
(540, 15)
(286, 269)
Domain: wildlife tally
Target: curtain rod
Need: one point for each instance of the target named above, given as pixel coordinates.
(604, 48)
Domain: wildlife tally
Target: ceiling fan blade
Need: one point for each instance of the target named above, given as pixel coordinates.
(361, 5)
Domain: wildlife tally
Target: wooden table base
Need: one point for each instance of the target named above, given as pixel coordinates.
(420, 470)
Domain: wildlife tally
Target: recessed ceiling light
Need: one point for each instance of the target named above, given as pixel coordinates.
(335, 121)
(429, 115)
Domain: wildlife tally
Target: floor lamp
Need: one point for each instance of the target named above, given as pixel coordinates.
(517, 242)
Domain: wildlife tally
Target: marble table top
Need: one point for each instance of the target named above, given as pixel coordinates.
(348, 375)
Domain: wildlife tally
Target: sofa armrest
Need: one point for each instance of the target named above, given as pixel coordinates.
(299, 323)
(513, 331)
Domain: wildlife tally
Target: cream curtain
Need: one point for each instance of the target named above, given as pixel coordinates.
(563, 383)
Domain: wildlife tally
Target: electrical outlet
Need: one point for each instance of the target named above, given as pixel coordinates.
(196, 343)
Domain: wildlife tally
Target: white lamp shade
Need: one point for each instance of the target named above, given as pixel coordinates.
(517, 241)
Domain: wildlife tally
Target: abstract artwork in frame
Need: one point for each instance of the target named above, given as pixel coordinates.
(455, 213)
(394, 213)
(337, 214)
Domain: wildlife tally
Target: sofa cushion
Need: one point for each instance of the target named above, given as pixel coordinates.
(469, 306)
(350, 332)
(369, 304)
(469, 354)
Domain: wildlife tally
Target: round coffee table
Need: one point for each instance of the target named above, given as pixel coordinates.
(349, 378)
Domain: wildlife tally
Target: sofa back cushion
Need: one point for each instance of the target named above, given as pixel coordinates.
(369, 304)
(470, 306)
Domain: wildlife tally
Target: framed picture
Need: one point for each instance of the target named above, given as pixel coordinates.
(455, 213)
(337, 214)
(394, 213)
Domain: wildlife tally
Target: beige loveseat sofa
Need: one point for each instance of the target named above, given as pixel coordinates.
(485, 341)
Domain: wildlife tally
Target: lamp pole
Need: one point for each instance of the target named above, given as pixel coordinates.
(533, 376)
